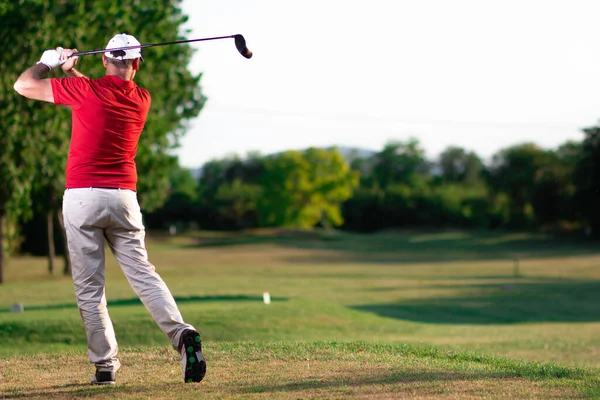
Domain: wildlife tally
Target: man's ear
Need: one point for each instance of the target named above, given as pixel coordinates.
(136, 64)
(104, 62)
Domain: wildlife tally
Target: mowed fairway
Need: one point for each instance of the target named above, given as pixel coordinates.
(406, 315)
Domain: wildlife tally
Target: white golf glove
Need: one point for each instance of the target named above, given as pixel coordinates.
(51, 58)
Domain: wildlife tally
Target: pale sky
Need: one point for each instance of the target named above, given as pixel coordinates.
(480, 74)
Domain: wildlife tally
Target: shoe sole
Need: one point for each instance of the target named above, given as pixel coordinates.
(194, 369)
(104, 383)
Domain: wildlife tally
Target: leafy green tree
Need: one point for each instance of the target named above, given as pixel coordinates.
(181, 208)
(569, 154)
(181, 181)
(587, 179)
(22, 121)
(220, 179)
(514, 171)
(398, 161)
(29, 27)
(554, 188)
(302, 189)
(49, 179)
(233, 190)
(248, 170)
(458, 165)
(212, 176)
(237, 203)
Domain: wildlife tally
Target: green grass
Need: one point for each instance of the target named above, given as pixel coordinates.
(504, 298)
(282, 370)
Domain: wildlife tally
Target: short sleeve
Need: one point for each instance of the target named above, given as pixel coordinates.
(70, 91)
(145, 100)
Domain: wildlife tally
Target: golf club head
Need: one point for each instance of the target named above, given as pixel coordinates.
(240, 44)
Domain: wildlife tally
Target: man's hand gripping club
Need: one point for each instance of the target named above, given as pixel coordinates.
(52, 58)
(59, 56)
(31, 85)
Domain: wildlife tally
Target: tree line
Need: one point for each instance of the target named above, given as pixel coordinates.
(521, 187)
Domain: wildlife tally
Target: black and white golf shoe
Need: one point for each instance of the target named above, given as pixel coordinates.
(104, 378)
(194, 365)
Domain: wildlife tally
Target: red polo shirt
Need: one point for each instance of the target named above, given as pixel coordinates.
(108, 115)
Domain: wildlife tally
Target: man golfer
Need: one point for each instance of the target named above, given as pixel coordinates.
(100, 201)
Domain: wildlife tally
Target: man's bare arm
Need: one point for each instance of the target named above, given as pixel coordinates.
(31, 85)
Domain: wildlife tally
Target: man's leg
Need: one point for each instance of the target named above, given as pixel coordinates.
(126, 239)
(83, 212)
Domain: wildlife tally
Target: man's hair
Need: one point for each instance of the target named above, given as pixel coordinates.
(121, 64)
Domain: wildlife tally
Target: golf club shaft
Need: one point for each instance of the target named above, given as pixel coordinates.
(83, 53)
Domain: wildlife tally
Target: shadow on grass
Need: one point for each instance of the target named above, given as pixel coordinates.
(179, 300)
(384, 377)
(395, 247)
(501, 303)
(360, 380)
(86, 390)
(424, 279)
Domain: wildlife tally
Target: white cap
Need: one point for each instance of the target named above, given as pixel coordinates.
(124, 40)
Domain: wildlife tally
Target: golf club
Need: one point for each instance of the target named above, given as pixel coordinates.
(240, 44)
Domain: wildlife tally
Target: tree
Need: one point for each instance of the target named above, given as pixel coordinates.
(553, 187)
(21, 121)
(237, 203)
(212, 175)
(587, 179)
(514, 171)
(223, 179)
(180, 208)
(247, 170)
(49, 179)
(31, 26)
(458, 165)
(301, 189)
(398, 161)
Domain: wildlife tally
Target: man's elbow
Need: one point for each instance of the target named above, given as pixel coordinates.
(34, 89)
(20, 87)
(24, 87)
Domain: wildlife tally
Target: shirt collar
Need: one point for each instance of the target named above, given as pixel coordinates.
(120, 82)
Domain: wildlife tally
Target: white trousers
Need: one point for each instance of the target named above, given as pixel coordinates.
(91, 216)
